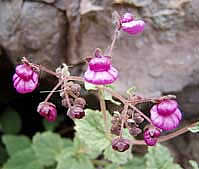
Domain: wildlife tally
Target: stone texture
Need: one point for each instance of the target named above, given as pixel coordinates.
(33, 29)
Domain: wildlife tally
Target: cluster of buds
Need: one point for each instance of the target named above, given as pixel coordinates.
(71, 99)
(164, 116)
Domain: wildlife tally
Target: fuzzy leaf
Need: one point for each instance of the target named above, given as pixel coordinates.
(47, 147)
(194, 164)
(71, 162)
(136, 162)
(10, 122)
(195, 129)
(91, 130)
(117, 157)
(15, 144)
(25, 159)
(159, 157)
(80, 146)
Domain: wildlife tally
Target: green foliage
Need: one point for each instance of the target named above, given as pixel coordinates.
(47, 147)
(195, 129)
(194, 164)
(50, 151)
(15, 144)
(91, 131)
(117, 157)
(25, 159)
(159, 157)
(10, 121)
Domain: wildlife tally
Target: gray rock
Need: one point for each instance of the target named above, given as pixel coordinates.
(35, 30)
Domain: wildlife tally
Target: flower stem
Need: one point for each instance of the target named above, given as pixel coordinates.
(103, 108)
(123, 114)
(55, 88)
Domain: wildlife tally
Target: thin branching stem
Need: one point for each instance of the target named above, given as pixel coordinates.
(126, 103)
(54, 89)
(123, 115)
(103, 108)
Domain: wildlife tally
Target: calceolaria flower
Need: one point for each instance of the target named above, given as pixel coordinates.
(166, 115)
(48, 111)
(100, 70)
(131, 26)
(25, 79)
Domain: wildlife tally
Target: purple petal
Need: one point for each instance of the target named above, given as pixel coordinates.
(167, 107)
(128, 17)
(133, 27)
(113, 72)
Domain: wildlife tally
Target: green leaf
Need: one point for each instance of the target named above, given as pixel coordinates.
(117, 157)
(89, 86)
(47, 147)
(72, 162)
(90, 130)
(195, 129)
(25, 159)
(10, 122)
(136, 162)
(158, 157)
(81, 147)
(15, 144)
(194, 164)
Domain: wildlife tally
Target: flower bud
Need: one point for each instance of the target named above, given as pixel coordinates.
(25, 79)
(138, 118)
(134, 131)
(115, 129)
(47, 110)
(81, 102)
(120, 144)
(76, 112)
(151, 135)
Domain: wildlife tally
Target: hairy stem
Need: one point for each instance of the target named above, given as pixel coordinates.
(55, 88)
(123, 114)
(42, 68)
(103, 108)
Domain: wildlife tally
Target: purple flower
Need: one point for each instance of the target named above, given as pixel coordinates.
(151, 135)
(25, 79)
(47, 110)
(131, 26)
(166, 115)
(100, 70)
(120, 144)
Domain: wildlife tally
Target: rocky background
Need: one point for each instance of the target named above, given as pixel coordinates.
(164, 59)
